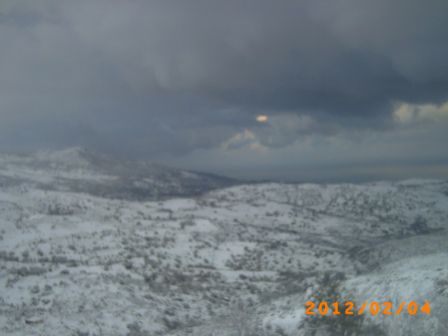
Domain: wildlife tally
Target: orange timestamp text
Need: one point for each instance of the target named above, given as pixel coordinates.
(374, 308)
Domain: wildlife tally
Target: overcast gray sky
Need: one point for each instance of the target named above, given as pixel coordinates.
(351, 89)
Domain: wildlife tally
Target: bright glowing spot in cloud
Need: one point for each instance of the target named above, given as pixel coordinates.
(262, 118)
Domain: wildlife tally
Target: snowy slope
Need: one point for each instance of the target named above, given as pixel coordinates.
(77, 169)
(236, 261)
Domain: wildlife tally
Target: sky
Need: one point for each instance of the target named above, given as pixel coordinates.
(309, 90)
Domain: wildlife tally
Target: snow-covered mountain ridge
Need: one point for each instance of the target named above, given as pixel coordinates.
(80, 170)
(242, 260)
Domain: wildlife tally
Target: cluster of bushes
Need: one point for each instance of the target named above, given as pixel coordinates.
(328, 288)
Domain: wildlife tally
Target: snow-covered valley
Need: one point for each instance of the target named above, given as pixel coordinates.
(238, 260)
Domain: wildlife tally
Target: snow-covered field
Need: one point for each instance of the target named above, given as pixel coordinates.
(241, 260)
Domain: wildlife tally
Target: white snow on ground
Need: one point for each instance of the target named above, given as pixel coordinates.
(245, 258)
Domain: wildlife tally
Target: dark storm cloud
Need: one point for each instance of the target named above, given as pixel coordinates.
(154, 77)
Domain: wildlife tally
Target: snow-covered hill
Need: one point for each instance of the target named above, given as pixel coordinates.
(236, 261)
(80, 170)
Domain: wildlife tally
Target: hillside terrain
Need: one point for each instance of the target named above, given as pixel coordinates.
(79, 170)
(91, 247)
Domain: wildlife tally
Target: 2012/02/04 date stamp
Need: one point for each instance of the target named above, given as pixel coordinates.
(374, 308)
